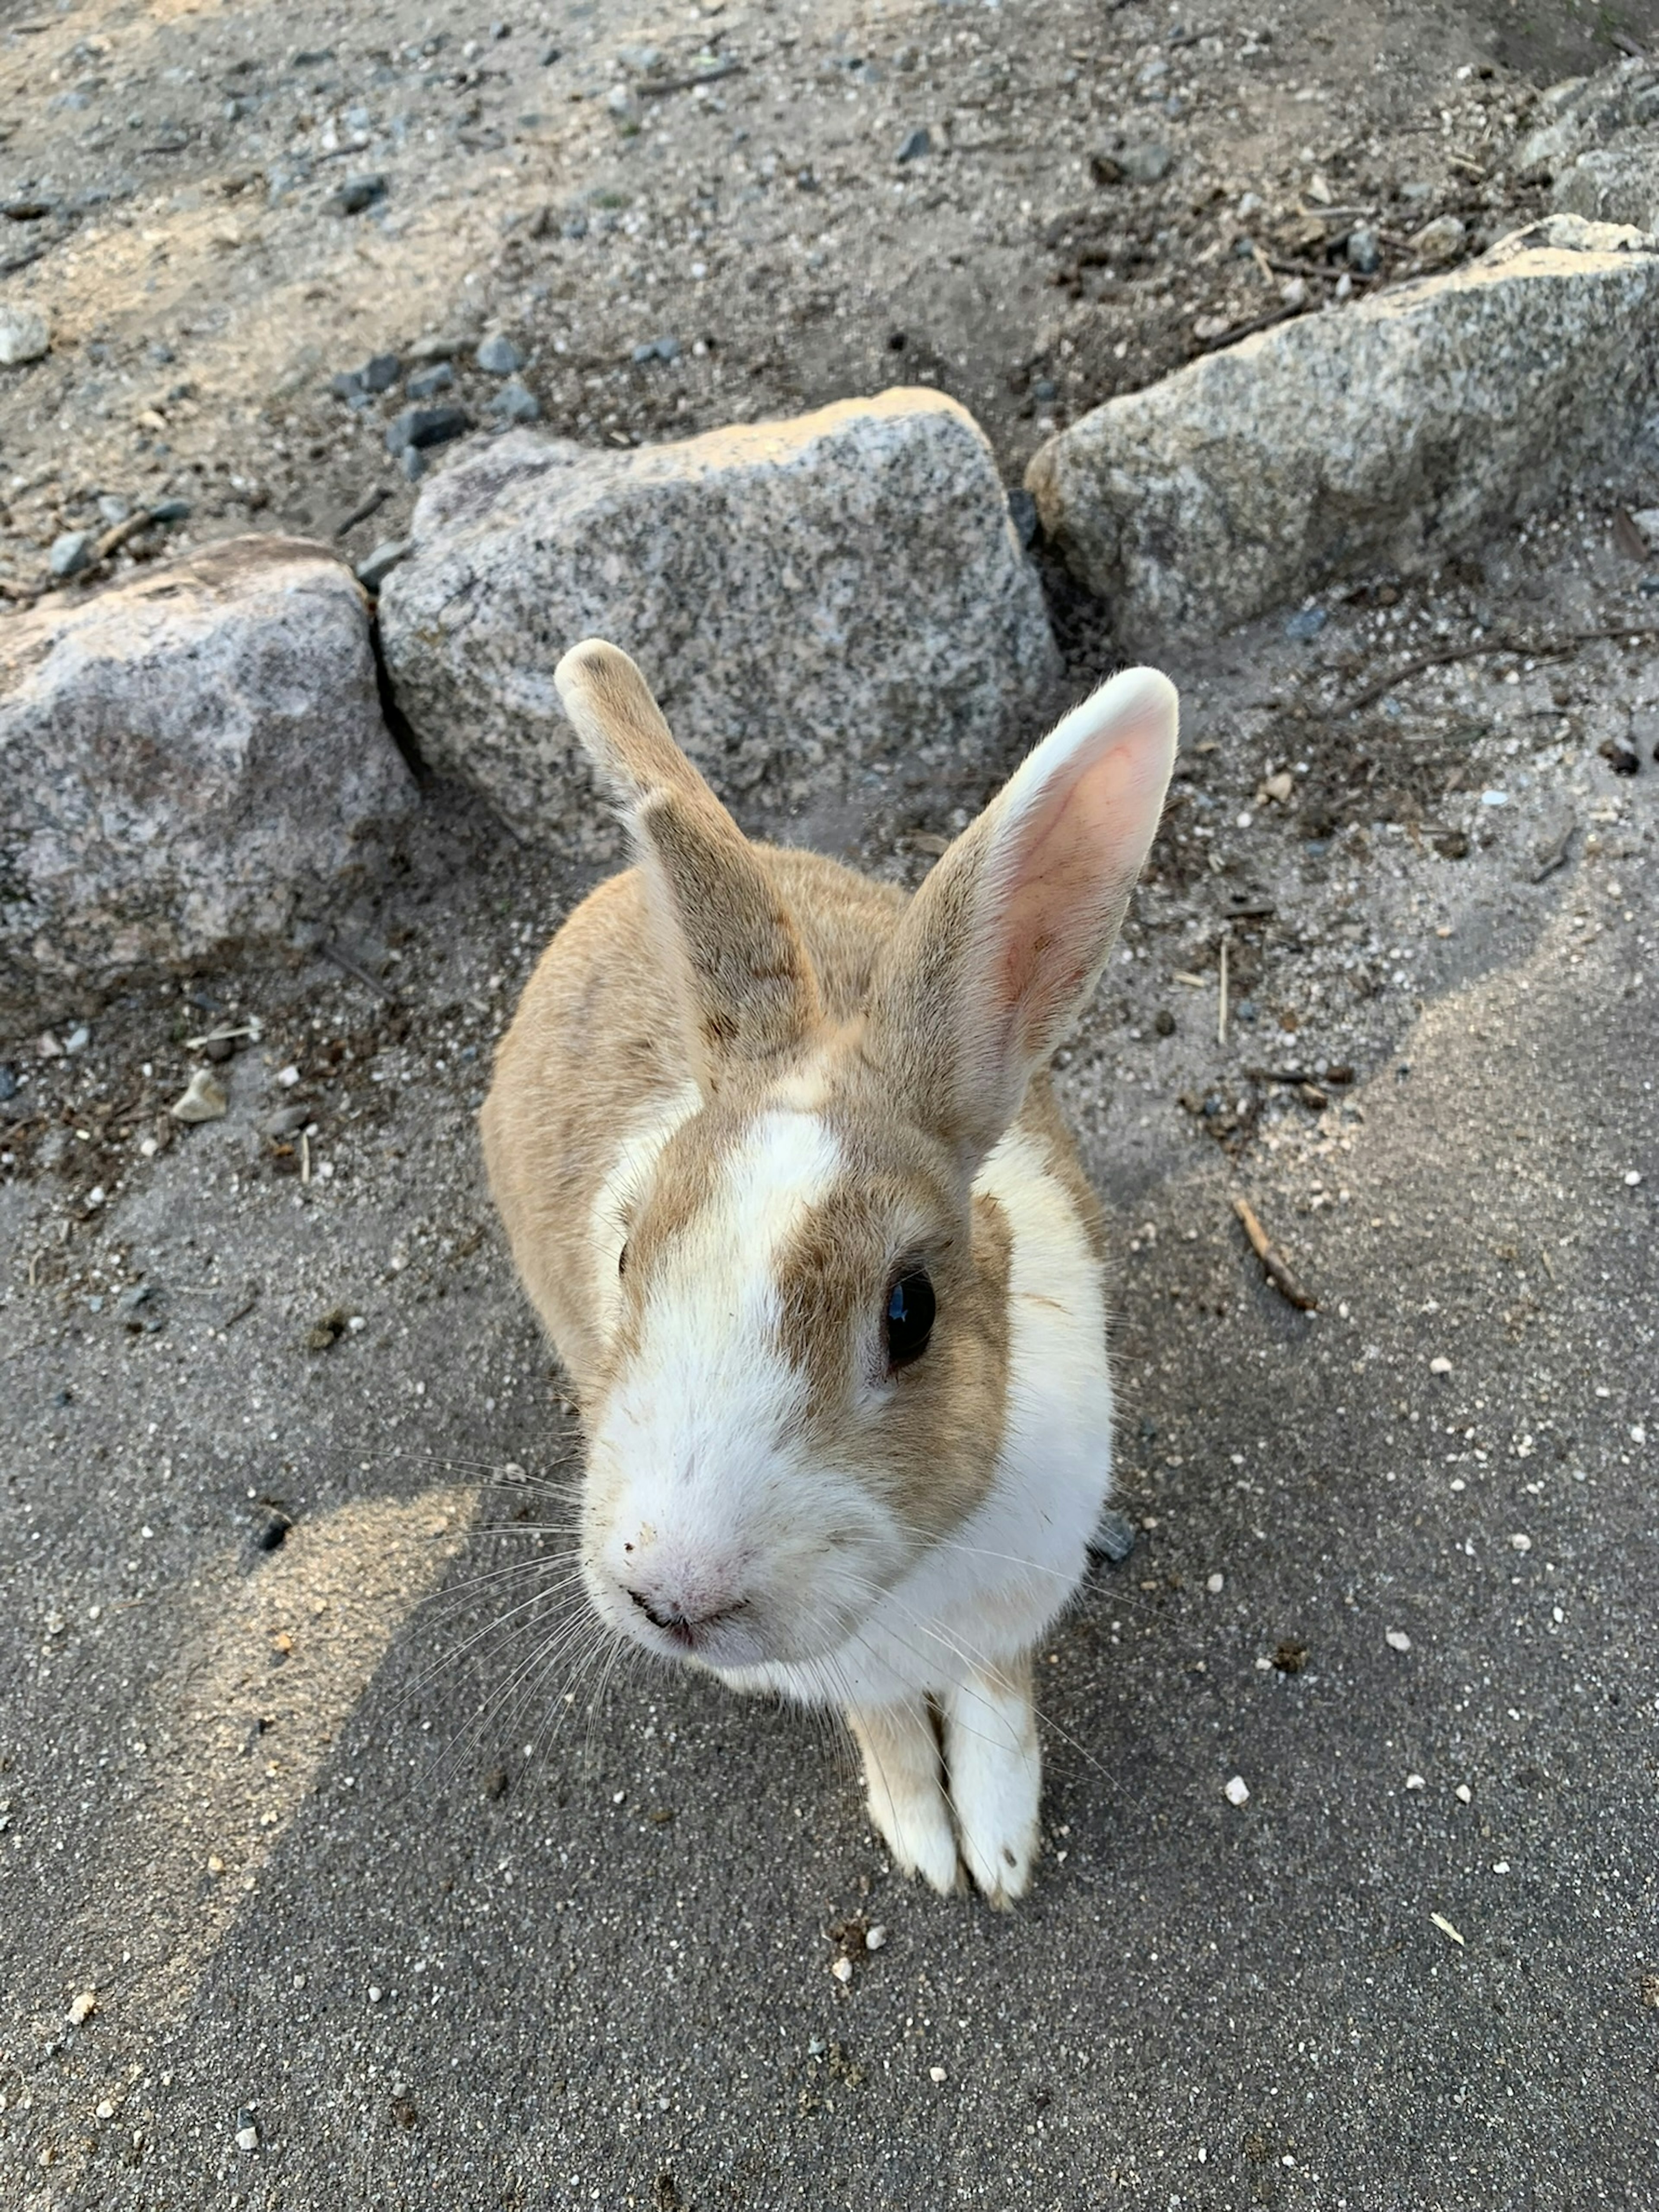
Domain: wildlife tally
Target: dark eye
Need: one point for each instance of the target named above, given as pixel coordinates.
(622, 1260)
(909, 1318)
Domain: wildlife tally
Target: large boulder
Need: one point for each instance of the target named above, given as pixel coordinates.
(829, 609)
(1597, 142)
(186, 760)
(1385, 435)
(1584, 112)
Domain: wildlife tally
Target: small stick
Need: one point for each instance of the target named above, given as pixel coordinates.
(1221, 1003)
(664, 86)
(305, 1157)
(369, 505)
(342, 960)
(1548, 649)
(1271, 1265)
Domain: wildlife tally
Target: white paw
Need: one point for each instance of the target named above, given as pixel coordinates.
(996, 1783)
(913, 1821)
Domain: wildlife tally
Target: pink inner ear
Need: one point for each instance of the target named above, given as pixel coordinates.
(1075, 857)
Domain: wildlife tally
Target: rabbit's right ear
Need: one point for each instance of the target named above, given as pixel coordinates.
(999, 950)
(748, 977)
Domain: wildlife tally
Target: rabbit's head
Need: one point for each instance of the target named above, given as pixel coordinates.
(805, 1298)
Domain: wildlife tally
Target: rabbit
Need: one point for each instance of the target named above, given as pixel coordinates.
(782, 1174)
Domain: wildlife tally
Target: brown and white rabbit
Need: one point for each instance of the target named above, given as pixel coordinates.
(778, 1159)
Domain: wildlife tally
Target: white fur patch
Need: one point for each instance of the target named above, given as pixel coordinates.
(700, 1497)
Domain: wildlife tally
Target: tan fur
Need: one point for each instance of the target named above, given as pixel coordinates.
(714, 994)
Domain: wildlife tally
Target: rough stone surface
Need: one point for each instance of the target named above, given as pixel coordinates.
(185, 762)
(25, 335)
(1598, 145)
(829, 608)
(1384, 435)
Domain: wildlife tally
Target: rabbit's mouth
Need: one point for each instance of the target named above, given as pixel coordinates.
(688, 1632)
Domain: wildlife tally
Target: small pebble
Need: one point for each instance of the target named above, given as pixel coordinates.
(498, 356)
(202, 1100)
(514, 403)
(1500, 1866)
(84, 2007)
(1440, 1366)
(381, 372)
(1632, 1178)
(106, 2110)
(71, 553)
(417, 428)
(1305, 625)
(1216, 1584)
(25, 335)
(875, 1937)
(247, 2138)
(1396, 1639)
(1415, 1782)
(373, 570)
(427, 383)
(357, 193)
(1237, 1792)
(1463, 1794)
(1363, 250)
(912, 147)
(935, 2073)
(1519, 1542)
(842, 1970)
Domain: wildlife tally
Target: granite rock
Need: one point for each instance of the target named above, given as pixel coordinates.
(187, 761)
(1390, 434)
(834, 611)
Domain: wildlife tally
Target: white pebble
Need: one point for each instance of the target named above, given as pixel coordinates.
(1415, 1782)
(842, 1970)
(1463, 1794)
(1216, 1584)
(1237, 1792)
(875, 1937)
(374, 1994)
(1500, 1866)
(1396, 1639)
(935, 2073)
(106, 2110)
(247, 2138)
(1638, 1435)
(287, 1077)
(1633, 1176)
(1440, 1366)
(1520, 1542)
(84, 2007)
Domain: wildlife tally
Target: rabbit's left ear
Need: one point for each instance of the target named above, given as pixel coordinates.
(749, 981)
(1003, 944)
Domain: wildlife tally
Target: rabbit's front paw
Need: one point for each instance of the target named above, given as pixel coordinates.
(905, 1791)
(996, 1780)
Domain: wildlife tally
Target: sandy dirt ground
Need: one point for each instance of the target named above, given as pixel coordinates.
(334, 1867)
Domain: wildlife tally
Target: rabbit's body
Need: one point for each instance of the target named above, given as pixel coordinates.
(756, 1122)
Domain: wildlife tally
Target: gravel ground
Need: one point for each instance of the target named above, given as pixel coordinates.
(725, 180)
(334, 1865)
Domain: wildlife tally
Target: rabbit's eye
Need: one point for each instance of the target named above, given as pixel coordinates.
(909, 1318)
(622, 1260)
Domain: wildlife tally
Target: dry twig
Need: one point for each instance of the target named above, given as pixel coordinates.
(1272, 1264)
(1546, 649)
